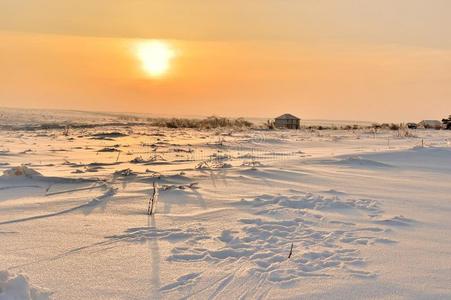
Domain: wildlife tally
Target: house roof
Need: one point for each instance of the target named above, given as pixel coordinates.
(430, 122)
(287, 116)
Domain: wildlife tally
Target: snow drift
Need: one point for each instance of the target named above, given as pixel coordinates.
(21, 171)
(18, 287)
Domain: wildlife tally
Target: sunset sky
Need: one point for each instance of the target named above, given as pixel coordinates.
(384, 60)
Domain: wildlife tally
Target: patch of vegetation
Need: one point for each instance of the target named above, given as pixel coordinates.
(207, 123)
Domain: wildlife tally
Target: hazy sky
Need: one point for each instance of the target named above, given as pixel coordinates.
(337, 59)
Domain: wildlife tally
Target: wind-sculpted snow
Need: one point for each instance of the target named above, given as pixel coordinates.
(183, 281)
(322, 246)
(326, 243)
(252, 214)
(21, 171)
(356, 162)
(86, 207)
(18, 287)
(311, 201)
(142, 234)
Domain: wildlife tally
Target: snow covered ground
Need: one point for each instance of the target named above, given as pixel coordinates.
(363, 215)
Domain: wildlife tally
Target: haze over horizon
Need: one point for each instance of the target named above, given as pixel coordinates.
(342, 60)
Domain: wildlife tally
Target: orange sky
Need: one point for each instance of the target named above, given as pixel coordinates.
(316, 59)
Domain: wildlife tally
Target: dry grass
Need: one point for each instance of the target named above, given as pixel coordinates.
(207, 123)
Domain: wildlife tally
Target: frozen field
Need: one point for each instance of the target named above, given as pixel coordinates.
(364, 214)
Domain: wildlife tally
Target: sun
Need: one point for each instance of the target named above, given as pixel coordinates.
(155, 57)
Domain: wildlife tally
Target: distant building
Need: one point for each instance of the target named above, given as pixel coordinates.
(287, 121)
(430, 124)
(447, 123)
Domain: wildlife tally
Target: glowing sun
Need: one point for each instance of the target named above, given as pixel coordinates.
(155, 57)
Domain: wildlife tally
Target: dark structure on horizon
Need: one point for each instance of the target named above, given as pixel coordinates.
(287, 121)
(447, 123)
(430, 124)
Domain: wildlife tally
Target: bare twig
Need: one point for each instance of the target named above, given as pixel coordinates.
(152, 200)
(291, 251)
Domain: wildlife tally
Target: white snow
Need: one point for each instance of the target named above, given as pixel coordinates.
(21, 171)
(18, 287)
(368, 214)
